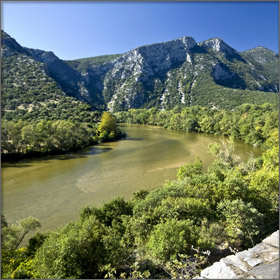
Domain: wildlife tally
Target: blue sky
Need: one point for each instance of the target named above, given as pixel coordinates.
(84, 29)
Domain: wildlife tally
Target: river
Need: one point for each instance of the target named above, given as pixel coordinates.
(55, 188)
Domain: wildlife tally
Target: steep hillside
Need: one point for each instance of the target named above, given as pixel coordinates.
(163, 75)
(182, 72)
(29, 92)
(267, 62)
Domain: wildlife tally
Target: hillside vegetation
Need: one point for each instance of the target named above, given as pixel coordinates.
(164, 75)
(28, 93)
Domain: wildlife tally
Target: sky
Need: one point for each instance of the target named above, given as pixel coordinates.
(84, 29)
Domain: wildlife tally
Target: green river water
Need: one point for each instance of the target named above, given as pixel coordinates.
(55, 188)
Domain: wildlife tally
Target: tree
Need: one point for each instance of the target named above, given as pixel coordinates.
(81, 250)
(108, 126)
(170, 238)
(14, 234)
(225, 153)
(11, 237)
(190, 170)
(242, 221)
(75, 251)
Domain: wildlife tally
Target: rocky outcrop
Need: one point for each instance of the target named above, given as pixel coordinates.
(259, 262)
(179, 72)
(218, 45)
(151, 59)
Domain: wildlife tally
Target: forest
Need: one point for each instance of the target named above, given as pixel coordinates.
(251, 123)
(170, 232)
(22, 139)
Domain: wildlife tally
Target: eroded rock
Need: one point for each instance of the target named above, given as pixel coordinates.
(259, 262)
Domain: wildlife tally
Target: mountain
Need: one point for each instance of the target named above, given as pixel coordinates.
(163, 75)
(180, 72)
(265, 61)
(28, 89)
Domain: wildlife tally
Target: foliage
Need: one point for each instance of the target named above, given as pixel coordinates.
(170, 238)
(190, 170)
(251, 123)
(16, 263)
(154, 235)
(28, 93)
(242, 220)
(186, 266)
(80, 250)
(14, 234)
(24, 138)
(134, 273)
(108, 128)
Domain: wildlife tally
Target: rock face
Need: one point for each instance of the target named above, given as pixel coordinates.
(259, 262)
(67, 78)
(163, 75)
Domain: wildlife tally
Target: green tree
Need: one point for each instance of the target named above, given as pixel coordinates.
(170, 238)
(76, 251)
(243, 221)
(225, 153)
(190, 170)
(14, 234)
(108, 125)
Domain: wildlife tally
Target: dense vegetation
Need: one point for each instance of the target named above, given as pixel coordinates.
(251, 123)
(31, 138)
(207, 93)
(172, 231)
(29, 94)
(38, 118)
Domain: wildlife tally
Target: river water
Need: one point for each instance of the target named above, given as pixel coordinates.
(55, 188)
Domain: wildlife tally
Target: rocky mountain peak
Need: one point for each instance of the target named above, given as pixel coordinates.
(181, 44)
(150, 59)
(217, 45)
(163, 75)
(261, 49)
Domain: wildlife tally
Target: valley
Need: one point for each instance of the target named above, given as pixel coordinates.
(151, 163)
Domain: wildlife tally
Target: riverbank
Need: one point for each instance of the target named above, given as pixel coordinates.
(24, 139)
(252, 124)
(169, 231)
(35, 155)
(94, 175)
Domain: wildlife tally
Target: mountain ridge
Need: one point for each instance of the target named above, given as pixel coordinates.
(179, 72)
